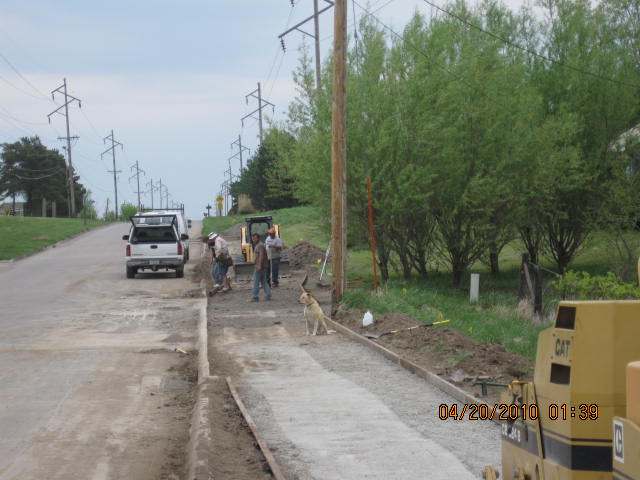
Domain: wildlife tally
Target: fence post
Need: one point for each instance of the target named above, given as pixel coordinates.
(537, 290)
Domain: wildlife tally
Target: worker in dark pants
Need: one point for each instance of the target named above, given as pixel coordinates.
(274, 250)
(261, 272)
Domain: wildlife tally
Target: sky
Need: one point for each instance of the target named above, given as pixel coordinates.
(169, 78)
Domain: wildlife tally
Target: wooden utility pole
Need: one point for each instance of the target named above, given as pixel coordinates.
(339, 154)
(373, 241)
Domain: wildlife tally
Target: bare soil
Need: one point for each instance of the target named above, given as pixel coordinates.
(445, 352)
(182, 403)
(235, 454)
(304, 254)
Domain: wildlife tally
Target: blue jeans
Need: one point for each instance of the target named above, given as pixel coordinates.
(275, 271)
(219, 272)
(261, 278)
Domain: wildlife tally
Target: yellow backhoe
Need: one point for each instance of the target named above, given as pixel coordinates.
(580, 417)
(244, 263)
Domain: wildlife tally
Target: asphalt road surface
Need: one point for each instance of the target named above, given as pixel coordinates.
(91, 384)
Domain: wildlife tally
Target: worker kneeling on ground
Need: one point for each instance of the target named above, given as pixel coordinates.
(261, 269)
(220, 262)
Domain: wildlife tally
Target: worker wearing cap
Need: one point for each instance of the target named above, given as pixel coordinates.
(274, 250)
(220, 261)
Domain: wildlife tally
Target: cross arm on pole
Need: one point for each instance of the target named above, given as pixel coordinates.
(57, 110)
(298, 25)
(249, 115)
(254, 95)
(244, 149)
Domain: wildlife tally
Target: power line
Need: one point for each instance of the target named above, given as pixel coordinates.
(35, 170)
(13, 117)
(24, 51)
(370, 12)
(277, 73)
(6, 60)
(86, 179)
(37, 178)
(95, 130)
(15, 87)
(278, 49)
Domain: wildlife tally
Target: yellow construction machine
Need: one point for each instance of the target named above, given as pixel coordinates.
(580, 417)
(626, 431)
(244, 263)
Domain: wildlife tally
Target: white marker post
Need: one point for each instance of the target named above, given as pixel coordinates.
(474, 290)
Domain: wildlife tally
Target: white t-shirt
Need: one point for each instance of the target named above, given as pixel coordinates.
(273, 242)
(221, 246)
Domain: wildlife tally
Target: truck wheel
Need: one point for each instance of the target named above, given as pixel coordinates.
(131, 272)
(180, 272)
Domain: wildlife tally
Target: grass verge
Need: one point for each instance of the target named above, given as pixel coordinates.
(21, 236)
(493, 320)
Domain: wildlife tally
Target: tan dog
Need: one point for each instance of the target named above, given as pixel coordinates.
(312, 307)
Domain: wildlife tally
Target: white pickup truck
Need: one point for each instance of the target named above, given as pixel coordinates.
(154, 243)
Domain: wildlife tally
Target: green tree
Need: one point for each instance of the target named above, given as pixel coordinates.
(35, 171)
(266, 178)
(128, 210)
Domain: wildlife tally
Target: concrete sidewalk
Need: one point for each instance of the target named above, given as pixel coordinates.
(332, 409)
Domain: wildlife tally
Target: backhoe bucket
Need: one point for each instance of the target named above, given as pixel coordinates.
(244, 270)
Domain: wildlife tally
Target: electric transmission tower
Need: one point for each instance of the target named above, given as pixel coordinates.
(160, 195)
(137, 173)
(262, 103)
(241, 149)
(115, 171)
(152, 187)
(316, 35)
(68, 100)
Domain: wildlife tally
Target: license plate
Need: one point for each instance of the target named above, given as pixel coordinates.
(154, 262)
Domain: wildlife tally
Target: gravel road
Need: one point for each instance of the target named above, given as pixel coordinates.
(91, 386)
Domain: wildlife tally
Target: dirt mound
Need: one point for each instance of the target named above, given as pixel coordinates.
(303, 254)
(446, 352)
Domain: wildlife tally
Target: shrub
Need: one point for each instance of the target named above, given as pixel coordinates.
(128, 210)
(582, 286)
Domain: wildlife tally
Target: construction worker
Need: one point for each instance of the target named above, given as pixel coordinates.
(261, 269)
(220, 262)
(274, 249)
